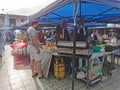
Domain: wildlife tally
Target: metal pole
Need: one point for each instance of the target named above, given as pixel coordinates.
(114, 30)
(80, 9)
(74, 42)
(105, 29)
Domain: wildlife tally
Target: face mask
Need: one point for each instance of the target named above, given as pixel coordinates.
(80, 26)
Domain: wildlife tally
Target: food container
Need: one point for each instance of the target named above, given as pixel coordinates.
(96, 49)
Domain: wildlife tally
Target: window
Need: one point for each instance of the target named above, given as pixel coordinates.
(12, 21)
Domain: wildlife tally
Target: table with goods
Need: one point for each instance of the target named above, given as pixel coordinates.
(94, 69)
(94, 57)
(20, 44)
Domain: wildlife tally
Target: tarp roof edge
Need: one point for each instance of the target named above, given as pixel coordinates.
(49, 8)
(105, 2)
(59, 3)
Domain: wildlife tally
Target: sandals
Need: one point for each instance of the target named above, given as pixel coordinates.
(35, 75)
(41, 76)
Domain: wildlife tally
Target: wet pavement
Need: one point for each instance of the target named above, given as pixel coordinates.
(15, 74)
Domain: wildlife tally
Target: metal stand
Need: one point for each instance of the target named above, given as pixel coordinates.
(74, 42)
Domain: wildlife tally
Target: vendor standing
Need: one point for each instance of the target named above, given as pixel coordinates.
(58, 31)
(34, 50)
(81, 35)
(81, 32)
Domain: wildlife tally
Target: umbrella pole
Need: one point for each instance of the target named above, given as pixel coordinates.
(74, 42)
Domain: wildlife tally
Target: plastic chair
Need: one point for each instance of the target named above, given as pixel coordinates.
(117, 55)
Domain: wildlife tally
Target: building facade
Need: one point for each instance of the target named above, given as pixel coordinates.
(13, 19)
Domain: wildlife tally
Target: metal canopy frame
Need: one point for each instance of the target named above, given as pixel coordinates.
(87, 18)
(58, 15)
(101, 13)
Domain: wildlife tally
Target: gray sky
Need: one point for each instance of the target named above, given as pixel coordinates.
(9, 5)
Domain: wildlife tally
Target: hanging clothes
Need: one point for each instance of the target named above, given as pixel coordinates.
(64, 27)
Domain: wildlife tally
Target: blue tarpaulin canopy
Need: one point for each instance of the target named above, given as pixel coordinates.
(90, 10)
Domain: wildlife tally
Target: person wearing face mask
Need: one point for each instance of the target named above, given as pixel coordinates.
(33, 49)
(81, 34)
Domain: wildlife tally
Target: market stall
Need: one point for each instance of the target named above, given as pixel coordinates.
(84, 10)
(92, 71)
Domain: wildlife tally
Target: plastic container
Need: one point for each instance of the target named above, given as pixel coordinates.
(101, 45)
(59, 69)
(96, 49)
